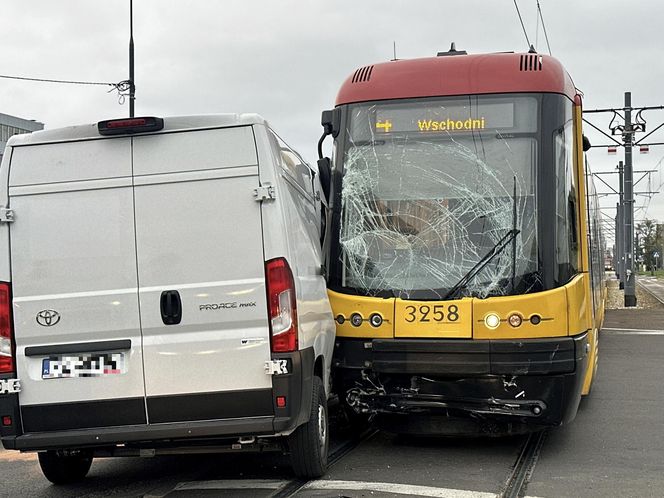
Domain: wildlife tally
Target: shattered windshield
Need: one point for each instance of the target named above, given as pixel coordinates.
(430, 188)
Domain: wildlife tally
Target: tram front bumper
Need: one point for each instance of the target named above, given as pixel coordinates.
(534, 381)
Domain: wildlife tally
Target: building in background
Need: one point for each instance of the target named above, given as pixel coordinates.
(11, 125)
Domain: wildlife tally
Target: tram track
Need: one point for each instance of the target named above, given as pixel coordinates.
(515, 486)
(335, 455)
(649, 291)
(512, 485)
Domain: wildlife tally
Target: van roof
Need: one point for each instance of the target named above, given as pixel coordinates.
(174, 123)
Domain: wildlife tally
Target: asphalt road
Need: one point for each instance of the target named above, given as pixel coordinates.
(615, 447)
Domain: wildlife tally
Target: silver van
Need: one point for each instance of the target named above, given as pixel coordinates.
(160, 288)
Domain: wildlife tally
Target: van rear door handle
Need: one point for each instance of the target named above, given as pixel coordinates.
(171, 307)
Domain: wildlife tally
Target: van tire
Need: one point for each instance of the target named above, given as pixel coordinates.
(309, 443)
(65, 468)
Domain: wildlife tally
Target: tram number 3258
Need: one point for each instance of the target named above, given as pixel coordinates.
(435, 313)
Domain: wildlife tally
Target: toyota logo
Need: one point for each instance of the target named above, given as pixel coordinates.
(48, 318)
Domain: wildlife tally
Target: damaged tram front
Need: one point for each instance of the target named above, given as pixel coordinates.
(461, 262)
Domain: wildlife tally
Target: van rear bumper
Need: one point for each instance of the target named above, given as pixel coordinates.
(72, 425)
(173, 432)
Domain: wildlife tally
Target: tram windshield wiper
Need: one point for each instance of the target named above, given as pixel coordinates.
(481, 264)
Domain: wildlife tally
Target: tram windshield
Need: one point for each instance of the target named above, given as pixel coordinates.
(430, 187)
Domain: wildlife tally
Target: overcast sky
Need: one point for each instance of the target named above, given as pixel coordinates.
(286, 59)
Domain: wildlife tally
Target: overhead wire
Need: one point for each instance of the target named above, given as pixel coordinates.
(537, 19)
(546, 36)
(522, 25)
(46, 80)
(121, 87)
(658, 188)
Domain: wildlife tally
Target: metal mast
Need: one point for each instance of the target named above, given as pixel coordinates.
(620, 232)
(628, 140)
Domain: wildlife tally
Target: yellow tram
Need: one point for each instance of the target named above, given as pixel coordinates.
(464, 255)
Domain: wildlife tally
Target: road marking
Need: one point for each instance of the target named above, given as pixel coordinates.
(322, 485)
(632, 331)
(397, 489)
(13, 455)
(232, 484)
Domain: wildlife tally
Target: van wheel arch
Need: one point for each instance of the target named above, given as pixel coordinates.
(319, 371)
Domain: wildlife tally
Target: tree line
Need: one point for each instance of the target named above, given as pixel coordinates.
(649, 244)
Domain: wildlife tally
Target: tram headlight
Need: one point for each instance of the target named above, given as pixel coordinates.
(356, 319)
(376, 320)
(492, 321)
(515, 320)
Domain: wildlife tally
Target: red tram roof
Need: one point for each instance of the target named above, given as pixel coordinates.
(457, 75)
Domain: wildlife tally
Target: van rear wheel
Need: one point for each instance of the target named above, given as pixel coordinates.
(65, 468)
(309, 443)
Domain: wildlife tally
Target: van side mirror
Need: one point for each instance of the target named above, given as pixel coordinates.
(586, 144)
(325, 175)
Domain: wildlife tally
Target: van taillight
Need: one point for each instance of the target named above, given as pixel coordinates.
(281, 305)
(6, 339)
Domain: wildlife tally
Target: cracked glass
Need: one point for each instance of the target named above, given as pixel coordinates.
(436, 191)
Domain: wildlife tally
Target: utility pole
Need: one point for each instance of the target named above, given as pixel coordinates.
(628, 140)
(620, 233)
(132, 87)
(625, 216)
(616, 244)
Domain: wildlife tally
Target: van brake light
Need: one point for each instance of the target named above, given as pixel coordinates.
(6, 335)
(127, 126)
(282, 305)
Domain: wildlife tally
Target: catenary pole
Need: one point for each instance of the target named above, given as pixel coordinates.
(628, 140)
(616, 246)
(620, 234)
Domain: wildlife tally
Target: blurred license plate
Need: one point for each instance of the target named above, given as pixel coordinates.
(83, 365)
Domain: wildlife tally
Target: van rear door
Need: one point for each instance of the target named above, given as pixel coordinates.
(74, 283)
(201, 275)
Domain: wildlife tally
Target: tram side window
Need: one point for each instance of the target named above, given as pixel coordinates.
(597, 241)
(567, 244)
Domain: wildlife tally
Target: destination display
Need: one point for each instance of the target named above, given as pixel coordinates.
(445, 119)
